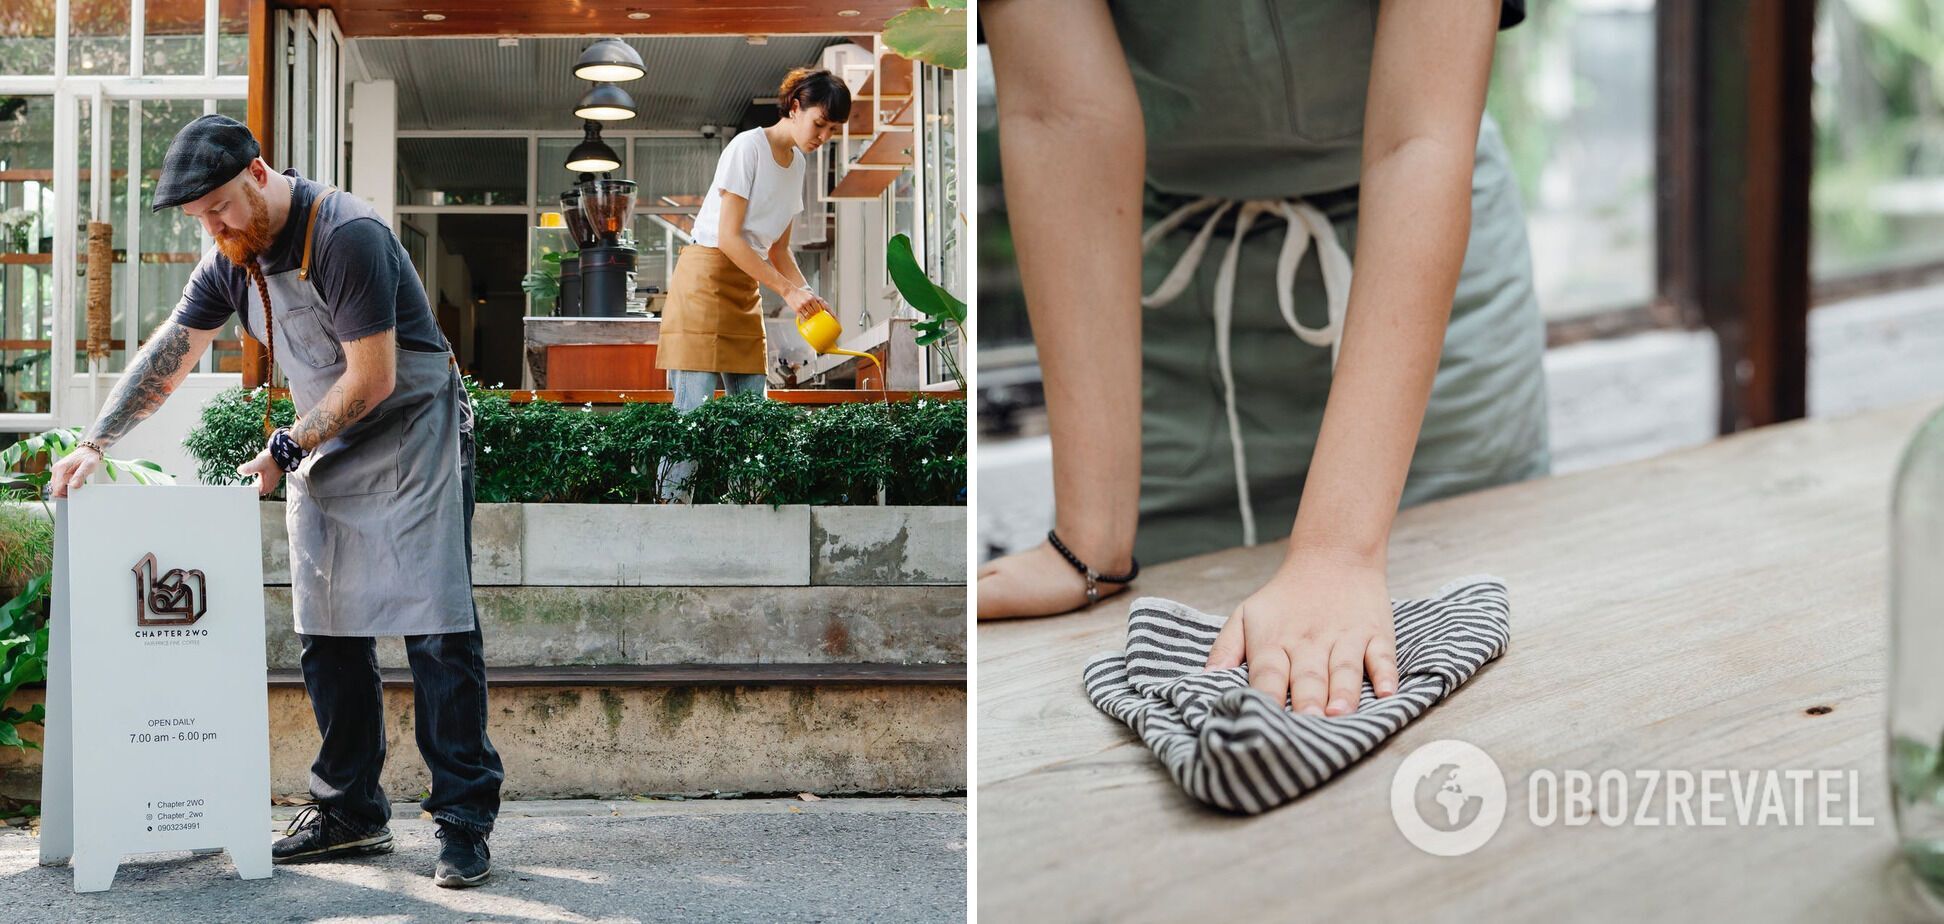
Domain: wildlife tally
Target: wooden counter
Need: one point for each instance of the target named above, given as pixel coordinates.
(1718, 608)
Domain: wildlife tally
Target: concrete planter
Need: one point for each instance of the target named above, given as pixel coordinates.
(721, 545)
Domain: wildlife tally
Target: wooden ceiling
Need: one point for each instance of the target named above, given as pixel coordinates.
(399, 18)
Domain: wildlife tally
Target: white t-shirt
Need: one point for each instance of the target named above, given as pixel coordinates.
(749, 170)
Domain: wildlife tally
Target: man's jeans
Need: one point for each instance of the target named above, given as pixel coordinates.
(449, 696)
(691, 389)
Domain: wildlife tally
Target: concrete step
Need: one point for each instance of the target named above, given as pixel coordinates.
(550, 626)
(619, 731)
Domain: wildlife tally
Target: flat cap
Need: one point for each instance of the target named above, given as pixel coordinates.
(206, 154)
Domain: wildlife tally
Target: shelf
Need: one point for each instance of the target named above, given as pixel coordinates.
(121, 256)
(891, 79)
(890, 149)
(864, 184)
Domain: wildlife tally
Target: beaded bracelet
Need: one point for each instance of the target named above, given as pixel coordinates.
(1094, 578)
(285, 450)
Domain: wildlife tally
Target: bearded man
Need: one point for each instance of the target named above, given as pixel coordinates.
(380, 471)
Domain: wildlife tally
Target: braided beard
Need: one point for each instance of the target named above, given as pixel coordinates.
(242, 247)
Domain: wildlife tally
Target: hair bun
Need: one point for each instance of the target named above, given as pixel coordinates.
(792, 80)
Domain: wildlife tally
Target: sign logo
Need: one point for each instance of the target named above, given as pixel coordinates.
(1448, 798)
(177, 598)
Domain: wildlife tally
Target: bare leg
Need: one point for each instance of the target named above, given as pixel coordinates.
(1073, 150)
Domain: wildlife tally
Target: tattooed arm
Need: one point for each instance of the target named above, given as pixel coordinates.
(370, 370)
(370, 367)
(161, 365)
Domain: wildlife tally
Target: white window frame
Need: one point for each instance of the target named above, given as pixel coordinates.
(68, 93)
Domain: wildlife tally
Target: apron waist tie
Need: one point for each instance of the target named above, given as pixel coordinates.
(1305, 222)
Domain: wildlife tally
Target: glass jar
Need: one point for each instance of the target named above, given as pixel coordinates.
(1916, 695)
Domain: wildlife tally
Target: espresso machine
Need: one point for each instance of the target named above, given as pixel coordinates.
(600, 213)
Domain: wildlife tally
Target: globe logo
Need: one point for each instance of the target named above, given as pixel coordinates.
(1442, 802)
(1448, 798)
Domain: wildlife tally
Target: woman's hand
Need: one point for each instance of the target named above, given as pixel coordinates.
(804, 302)
(1038, 582)
(265, 469)
(1311, 633)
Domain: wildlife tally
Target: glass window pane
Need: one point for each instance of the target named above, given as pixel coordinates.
(233, 38)
(1573, 94)
(117, 211)
(463, 171)
(26, 258)
(98, 37)
(227, 352)
(675, 167)
(551, 178)
(1877, 196)
(27, 37)
(172, 37)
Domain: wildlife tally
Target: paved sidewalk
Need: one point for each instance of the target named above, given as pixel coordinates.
(570, 860)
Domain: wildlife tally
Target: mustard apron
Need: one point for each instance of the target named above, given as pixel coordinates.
(713, 321)
(1254, 118)
(376, 514)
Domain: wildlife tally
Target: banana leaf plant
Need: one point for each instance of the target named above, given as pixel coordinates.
(934, 33)
(944, 313)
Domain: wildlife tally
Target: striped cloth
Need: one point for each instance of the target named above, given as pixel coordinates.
(1232, 747)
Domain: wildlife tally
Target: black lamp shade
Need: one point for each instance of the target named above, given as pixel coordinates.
(609, 60)
(592, 155)
(605, 103)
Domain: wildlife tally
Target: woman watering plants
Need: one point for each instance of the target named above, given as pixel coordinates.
(713, 326)
(1264, 393)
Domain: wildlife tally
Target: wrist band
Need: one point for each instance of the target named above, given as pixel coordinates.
(285, 451)
(91, 444)
(1094, 578)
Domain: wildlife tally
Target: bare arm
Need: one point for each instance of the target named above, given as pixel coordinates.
(784, 260)
(164, 361)
(1323, 620)
(1074, 154)
(730, 240)
(1427, 94)
(370, 370)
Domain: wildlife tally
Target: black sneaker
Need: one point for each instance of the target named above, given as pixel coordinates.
(464, 861)
(320, 832)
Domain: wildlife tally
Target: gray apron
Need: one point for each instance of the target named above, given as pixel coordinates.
(376, 514)
(1254, 120)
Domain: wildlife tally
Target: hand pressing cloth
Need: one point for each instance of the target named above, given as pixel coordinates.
(1231, 746)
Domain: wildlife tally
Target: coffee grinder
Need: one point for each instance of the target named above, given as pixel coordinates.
(608, 263)
(583, 233)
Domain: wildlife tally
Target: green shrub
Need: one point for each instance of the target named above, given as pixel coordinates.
(929, 455)
(231, 433)
(26, 545)
(847, 452)
(638, 438)
(747, 449)
(536, 453)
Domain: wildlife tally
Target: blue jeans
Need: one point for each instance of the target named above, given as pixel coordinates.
(691, 389)
(449, 702)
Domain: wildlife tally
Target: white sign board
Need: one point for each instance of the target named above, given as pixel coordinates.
(158, 711)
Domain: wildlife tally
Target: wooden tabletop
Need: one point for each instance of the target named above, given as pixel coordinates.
(1680, 613)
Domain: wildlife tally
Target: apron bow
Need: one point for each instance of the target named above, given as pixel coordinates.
(1305, 222)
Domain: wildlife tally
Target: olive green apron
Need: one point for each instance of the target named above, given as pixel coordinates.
(1254, 117)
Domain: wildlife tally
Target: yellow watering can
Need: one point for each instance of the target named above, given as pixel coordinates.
(821, 331)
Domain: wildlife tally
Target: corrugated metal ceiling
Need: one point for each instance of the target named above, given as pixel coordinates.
(473, 83)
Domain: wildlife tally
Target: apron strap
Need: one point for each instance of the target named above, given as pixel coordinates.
(310, 228)
(263, 291)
